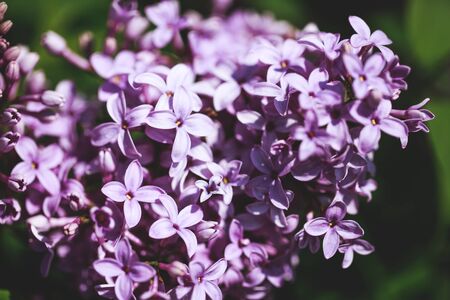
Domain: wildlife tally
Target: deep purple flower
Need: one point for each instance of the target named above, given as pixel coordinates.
(240, 245)
(38, 163)
(126, 268)
(333, 226)
(131, 193)
(119, 130)
(174, 222)
(9, 211)
(359, 246)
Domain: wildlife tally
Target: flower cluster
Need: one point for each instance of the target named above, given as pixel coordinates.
(215, 149)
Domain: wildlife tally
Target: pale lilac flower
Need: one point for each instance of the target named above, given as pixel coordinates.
(328, 43)
(240, 245)
(38, 163)
(280, 93)
(185, 123)
(126, 268)
(364, 37)
(174, 222)
(131, 193)
(311, 89)
(204, 280)
(366, 76)
(333, 226)
(359, 246)
(209, 188)
(166, 16)
(119, 130)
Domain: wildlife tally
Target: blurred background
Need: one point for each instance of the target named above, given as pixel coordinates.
(408, 219)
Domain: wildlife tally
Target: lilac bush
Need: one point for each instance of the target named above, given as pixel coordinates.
(215, 151)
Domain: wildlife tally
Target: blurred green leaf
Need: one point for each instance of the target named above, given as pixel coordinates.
(441, 142)
(428, 23)
(4, 295)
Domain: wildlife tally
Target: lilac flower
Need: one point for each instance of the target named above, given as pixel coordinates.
(127, 268)
(376, 120)
(364, 37)
(328, 43)
(209, 188)
(166, 16)
(415, 116)
(311, 89)
(366, 77)
(280, 93)
(359, 246)
(10, 211)
(38, 163)
(239, 244)
(272, 171)
(183, 121)
(175, 222)
(204, 280)
(131, 193)
(119, 130)
(306, 240)
(333, 226)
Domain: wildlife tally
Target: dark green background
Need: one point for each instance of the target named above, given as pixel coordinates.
(408, 220)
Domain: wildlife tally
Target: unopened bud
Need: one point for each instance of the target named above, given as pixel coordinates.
(11, 54)
(9, 211)
(206, 230)
(5, 27)
(53, 99)
(17, 183)
(10, 117)
(86, 41)
(76, 203)
(3, 9)
(28, 62)
(12, 71)
(72, 228)
(175, 268)
(135, 27)
(110, 46)
(106, 160)
(4, 44)
(54, 43)
(8, 141)
(36, 82)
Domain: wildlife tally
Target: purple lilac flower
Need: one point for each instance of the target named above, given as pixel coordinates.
(174, 222)
(359, 246)
(240, 245)
(333, 226)
(10, 211)
(38, 163)
(126, 268)
(311, 89)
(131, 193)
(119, 130)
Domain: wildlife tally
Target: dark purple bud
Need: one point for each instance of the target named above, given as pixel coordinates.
(54, 43)
(106, 160)
(8, 141)
(5, 27)
(17, 183)
(12, 71)
(9, 211)
(10, 117)
(12, 53)
(36, 82)
(53, 99)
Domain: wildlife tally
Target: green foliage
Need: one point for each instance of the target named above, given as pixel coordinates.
(4, 295)
(429, 31)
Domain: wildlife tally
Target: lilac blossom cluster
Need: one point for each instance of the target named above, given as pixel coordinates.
(215, 149)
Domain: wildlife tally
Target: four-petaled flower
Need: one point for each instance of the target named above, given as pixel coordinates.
(131, 193)
(172, 222)
(333, 226)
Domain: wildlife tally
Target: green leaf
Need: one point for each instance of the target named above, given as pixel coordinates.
(428, 23)
(4, 295)
(441, 145)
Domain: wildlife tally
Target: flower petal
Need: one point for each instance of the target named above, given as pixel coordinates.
(151, 79)
(51, 156)
(189, 216)
(26, 149)
(189, 239)
(115, 191)
(216, 271)
(369, 138)
(225, 95)
(317, 226)
(349, 229)
(132, 211)
(148, 193)
(198, 292)
(140, 272)
(108, 267)
(48, 180)
(182, 106)
(162, 119)
(124, 287)
(199, 125)
(212, 290)
(359, 26)
(277, 194)
(133, 176)
(105, 133)
(138, 115)
(126, 144)
(181, 145)
(123, 252)
(261, 160)
(330, 243)
(161, 229)
(117, 108)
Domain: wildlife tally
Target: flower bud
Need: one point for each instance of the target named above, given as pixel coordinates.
(205, 230)
(53, 99)
(76, 203)
(17, 183)
(11, 54)
(9, 211)
(3, 9)
(10, 117)
(135, 27)
(28, 62)
(36, 82)
(54, 43)
(110, 45)
(175, 268)
(12, 71)
(4, 44)
(106, 160)
(5, 27)
(8, 141)
(72, 228)
(86, 42)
